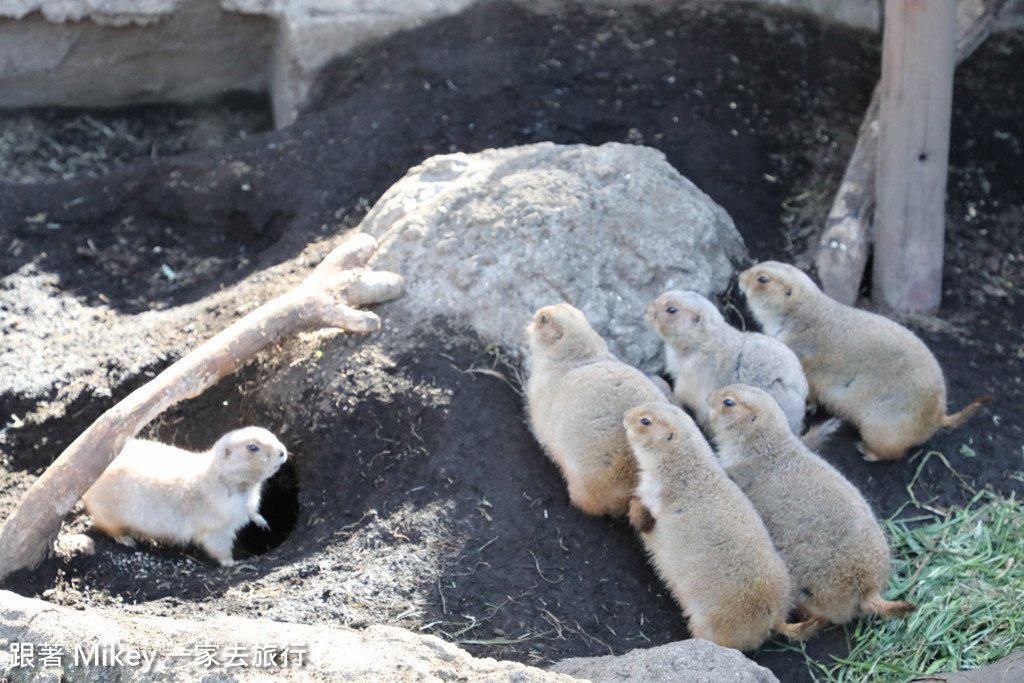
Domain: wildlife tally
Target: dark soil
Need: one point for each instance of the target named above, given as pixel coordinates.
(416, 495)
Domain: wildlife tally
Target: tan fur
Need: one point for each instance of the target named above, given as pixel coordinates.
(863, 367)
(837, 554)
(704, 537)
(704, 353)
(162, 493)
(577, 392)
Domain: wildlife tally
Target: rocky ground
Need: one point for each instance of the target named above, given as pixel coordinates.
(430, 506)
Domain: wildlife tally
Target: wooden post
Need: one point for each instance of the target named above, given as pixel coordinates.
(913, 153)
(845, 241)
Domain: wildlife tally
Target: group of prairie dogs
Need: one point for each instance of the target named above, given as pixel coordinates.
(765, 527)
(743, 538)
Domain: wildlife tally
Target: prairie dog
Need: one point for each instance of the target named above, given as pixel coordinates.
(704, 353)
(863, 367)
(838, 556)
(577, 392)
(160, 492)
(704, 537)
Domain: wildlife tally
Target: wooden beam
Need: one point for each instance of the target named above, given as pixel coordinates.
(845, 242)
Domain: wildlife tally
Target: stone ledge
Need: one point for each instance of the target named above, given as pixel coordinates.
(108, 53)
(167, 649)
(104, 12)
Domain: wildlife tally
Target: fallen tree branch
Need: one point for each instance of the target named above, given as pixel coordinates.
(844, 245)
(324, 299)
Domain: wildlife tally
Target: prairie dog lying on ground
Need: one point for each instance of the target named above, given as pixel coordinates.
(837, 554)
(704, 537)
(703, 353)
(863, 367)
(163, 493)
(577, 393)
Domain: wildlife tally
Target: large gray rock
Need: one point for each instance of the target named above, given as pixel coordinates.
(486, 239)
(687, 661)
(377, 653)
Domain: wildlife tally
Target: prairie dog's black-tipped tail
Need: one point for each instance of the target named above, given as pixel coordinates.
(640, 517)
(818, 435)
(876, 604)
(801, 630)
(957, 419)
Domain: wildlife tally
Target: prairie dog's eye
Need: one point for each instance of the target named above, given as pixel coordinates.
(763, 279)
(544, 319)
(672, 310)
(729, 403)
(253, 447)
(645, 420)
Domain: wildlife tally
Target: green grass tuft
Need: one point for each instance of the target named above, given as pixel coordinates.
(965, 573)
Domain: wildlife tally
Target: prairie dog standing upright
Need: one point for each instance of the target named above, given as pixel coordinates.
(704, 353)
(704, 537)
(577, 393)
(159, 492)
(863, 367)
(838, 556)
